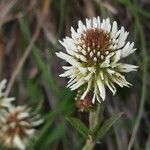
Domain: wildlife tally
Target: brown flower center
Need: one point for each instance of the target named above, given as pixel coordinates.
(94, 45)
(18, 128)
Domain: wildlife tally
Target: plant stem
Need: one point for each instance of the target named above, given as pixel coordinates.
(95, 119)
(89, 145)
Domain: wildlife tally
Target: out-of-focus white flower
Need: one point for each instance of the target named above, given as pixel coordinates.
(17, 127)
(5, 102)
(94, 52)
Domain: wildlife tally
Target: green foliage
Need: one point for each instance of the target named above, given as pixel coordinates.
(47, 131)
(81, 127)
(41, 64)
(46, 135)
(78, 125)
(54, 129)
(34, 87)
(106, 126)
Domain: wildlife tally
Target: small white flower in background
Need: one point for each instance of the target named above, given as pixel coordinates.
(5, 102)
(94, 52)
(17, 127)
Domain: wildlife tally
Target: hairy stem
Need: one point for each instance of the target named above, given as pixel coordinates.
(89, 145)
(95, 119)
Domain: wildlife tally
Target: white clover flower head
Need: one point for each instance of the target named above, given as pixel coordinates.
(17, 127)
(94, 52)
(5, 102)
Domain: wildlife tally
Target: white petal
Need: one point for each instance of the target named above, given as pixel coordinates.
(93, 99)
(37, 122)
(69, 45)
(30, 132)
(23, 115)
(82, 70)
(111, 87)
(67, 67)
(25, 123)
(98, 22)
(88, 23)
(96, 95)
(114, 29)
(103, 24)
(127, 67)
(71, 82)
(116, 36)
(68, 58)
(106, 63)
(120, 80)
(98, 98)
(72, 77)
(101, 88)
(95, 25)
(2, 85)
(19, 108)
(87, 89)
(18, 142)
(108, 26)
(110, 71)
(81, 27)
(88, 77)
(122, 37)
(10, 99)
(77, 84)
(101, 75)
(83, 58)
(4, 104)
(74, 34)
(127, 50)
(68, 73)
(91, 69)
(117, 56)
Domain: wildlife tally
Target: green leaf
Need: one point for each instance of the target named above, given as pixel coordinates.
(51, 137)
(50, 118)
(37, 56)
(80, 126)
(55, 134)
(107, 125)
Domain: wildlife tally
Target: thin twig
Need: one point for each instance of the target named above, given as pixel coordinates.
(29, 48)
(8, 6)
(143, 96)
(12, 17)
(141, 109)
(6, 17)
(22, 60)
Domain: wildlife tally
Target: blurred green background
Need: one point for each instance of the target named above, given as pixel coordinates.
(29, 34)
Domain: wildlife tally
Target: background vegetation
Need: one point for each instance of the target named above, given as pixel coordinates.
(29, 34)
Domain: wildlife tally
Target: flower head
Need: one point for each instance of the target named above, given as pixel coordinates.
(5, 102)
(17, 127)
(94, 52)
